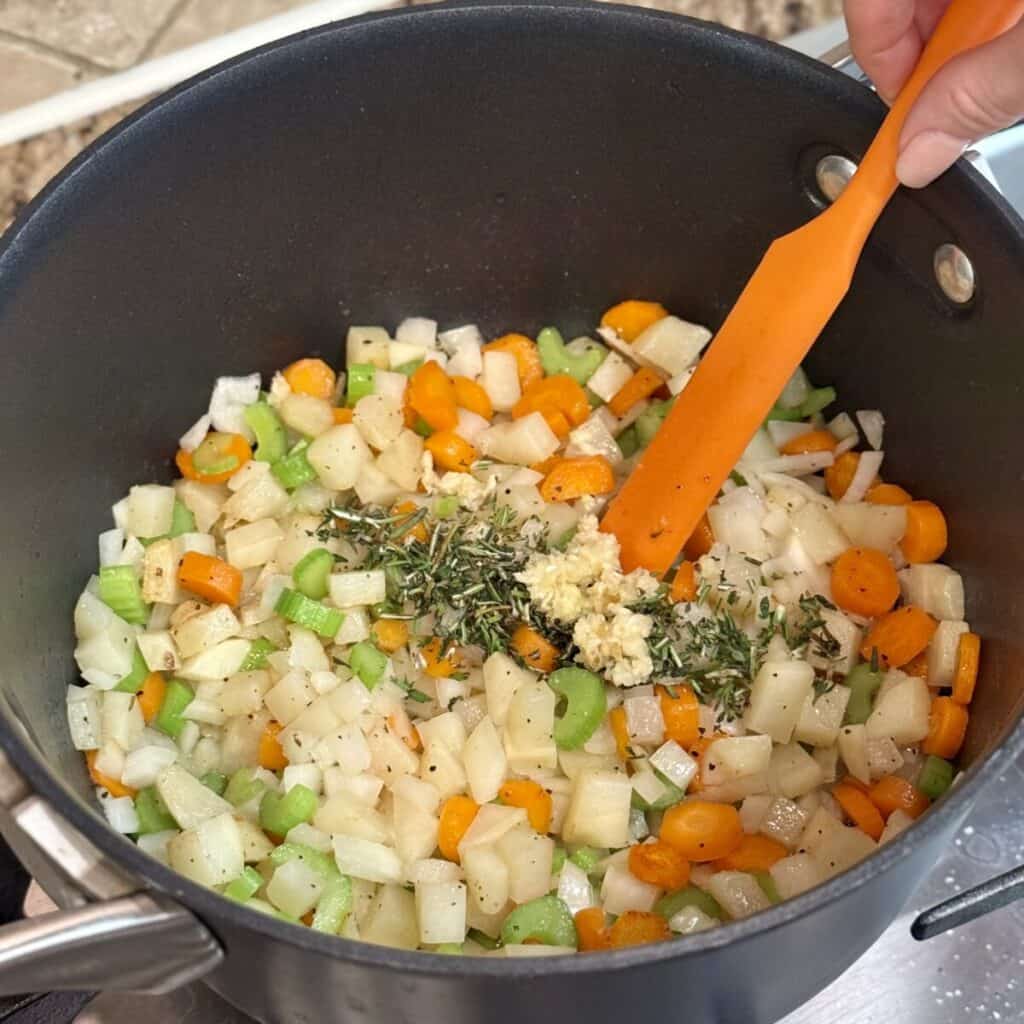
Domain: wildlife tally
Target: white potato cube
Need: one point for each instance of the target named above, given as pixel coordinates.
(777, 698)
(821, 718)
(936, 588)
(739, 894)
(942, 652)
(150, 510)
(338, 455)
(671, 344)
(598, 812)
(901, 714)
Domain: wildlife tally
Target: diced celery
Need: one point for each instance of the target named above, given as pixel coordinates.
(446, 506)
(629, 442)
(182, 520)
(586, 858)
(177, 697)
(672, 795)
(449, 949)
(334, 905)
(936, 777)
(651, 419)
(132, 682)
(303, 611)
(257, 656)
(217, 781)
(245, 886)
(281, 812)
(690, 896)
(409, 368)
(294, 469)
(482, 939)
(768, 887)
(312, 572)
(214, 455)
(817, 400)
(121, 591)
(368, 663)
(271, 438)
(152, 812)
(863, 682)
(585, 705)
(242, 787)
(546, 919)
(360, 381)
(558, 859)
(555, 356)
(322, 863)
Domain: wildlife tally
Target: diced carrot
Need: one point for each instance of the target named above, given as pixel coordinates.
(858, 807)
(892, 793)
(558, 422)
(558, 393)
(681, 714)
(965, 676)
(432, 395)
(151, 696)
(702, 831)
(849, 780)
(840, 474)
(755, 853)
(528, 364)
(917, 666)
(457, 814)
(701, 540)
(864, 582)
(271, 753)
(451, 451)
(638, 927)
(899, 636)
(947, 727)
(535, 651)
(888, 494)
(114, 787)
(533, 798)
(631, 318)
(659, 864)
(310, 377)
(390, 634)
(641, 385)
(684, 583)
(407, 508)
(471, 396)
(343, 414)
(440, 664)
(210, 578)
(812, 441)
(228, 446)
(590, 929)
(617, 723)
(926, 536)
(577, 477)
(547, 465)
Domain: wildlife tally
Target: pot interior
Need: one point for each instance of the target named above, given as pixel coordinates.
(512, 166)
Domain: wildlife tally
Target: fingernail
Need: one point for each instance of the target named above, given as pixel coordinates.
(926, 156)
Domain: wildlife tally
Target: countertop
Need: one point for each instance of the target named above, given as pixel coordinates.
(26, 167)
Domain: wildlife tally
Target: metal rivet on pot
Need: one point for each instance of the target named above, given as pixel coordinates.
(955, 273)
(833, 174)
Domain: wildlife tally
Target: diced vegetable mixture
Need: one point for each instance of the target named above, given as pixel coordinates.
(371, 665)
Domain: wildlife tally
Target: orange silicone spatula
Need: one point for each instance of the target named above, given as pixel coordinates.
(784, 307)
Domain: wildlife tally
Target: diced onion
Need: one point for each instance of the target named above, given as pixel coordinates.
(867, 469)
(873, 424)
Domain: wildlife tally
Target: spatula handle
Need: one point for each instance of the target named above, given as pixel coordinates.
(966, 25)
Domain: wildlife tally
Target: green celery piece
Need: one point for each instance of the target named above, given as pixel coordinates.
(257, 656)
(587, 858)
(768, 887)
(269, 909)
(863, 682)
(298, 608)
(280, 813)
(936, 777)
(334, 905)
(785, 415)
(132, 682)
(689, 896)
(482, 939)
(557, 357)
(322, 863)
(628, 442)
(212, 458)
(651, 419)
(446, 507)
(242, 788)
(177, 697)
(271, 437)
(121, 592)
(449, 949)
(152, 812)
(546, 919)
(182, 520)
(294, 469)
(672, 795)
(312, 572)
(422, 427)
(245, 886)
(558, 859)
(585, 706)
(409, 368)
(361, 378)
(816, 401)
(368, 663)
(217, 781)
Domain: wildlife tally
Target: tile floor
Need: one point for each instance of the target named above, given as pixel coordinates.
(48, 46)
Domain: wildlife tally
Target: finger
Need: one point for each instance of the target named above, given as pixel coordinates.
(886, 41)
(976, 94)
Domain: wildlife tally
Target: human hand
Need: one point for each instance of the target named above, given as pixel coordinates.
(976, 94)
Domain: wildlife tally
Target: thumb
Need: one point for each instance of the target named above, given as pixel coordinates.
(978, 93)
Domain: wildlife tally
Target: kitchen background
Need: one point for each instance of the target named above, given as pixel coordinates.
(49, 46)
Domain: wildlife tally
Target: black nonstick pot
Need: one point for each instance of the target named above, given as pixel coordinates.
(517, 165)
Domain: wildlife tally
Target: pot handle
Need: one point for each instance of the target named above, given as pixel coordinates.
(970, 905)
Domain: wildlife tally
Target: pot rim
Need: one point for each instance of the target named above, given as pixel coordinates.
(209, 905)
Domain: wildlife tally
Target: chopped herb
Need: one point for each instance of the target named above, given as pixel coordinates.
(412, 693)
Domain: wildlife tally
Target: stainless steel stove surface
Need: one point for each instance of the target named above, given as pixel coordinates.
(973, 974)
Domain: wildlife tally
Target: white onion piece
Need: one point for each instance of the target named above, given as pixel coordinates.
(847, 444)
(798, 465)
(781, 431)
(193, 437)
(872, 422)
(843, 427)
(867, 469)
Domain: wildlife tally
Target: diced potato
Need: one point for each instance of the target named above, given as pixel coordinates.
(574, 762)
(204, 631)
(188, 800)
(391, 919)
(262, 497)
(204, 501)
(853, 748)
(936, 588)
(942, 652)
(622, 891)
(390, 756)
(492, 821)
(442, 768)
(290, 696)
(528, 856)
(736, 520)
(375, 487)
(254, 544)
(819, 532)
(598, 812)
(295, 888)
(218, 662)
(402, 460)
(753, 811)
(485, 763)
(344, 746)
(441, 911)
(848, 635)
(899, 821)
(777, 698)
(739, 894)
(821, 719)
(158, 651)
(784, 821)
(362, 858)
(209, 853)
(359, 587)
(841, 848)
(902, 713)
(502, 677)
(690, 920)
(522, 442)
(735, 758)
(793, 771)
(367, 345)
(446, 729)
(500, 379)
(608, 378)
(338, 455)
(415, 831)
(379, 419)
(872, 526)
(828, 761)
(884, 757)
(644, 721)
(306, 414)
(796, 874)
(671, 344)
(531, 715)
(160, 573)
(150, 510)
